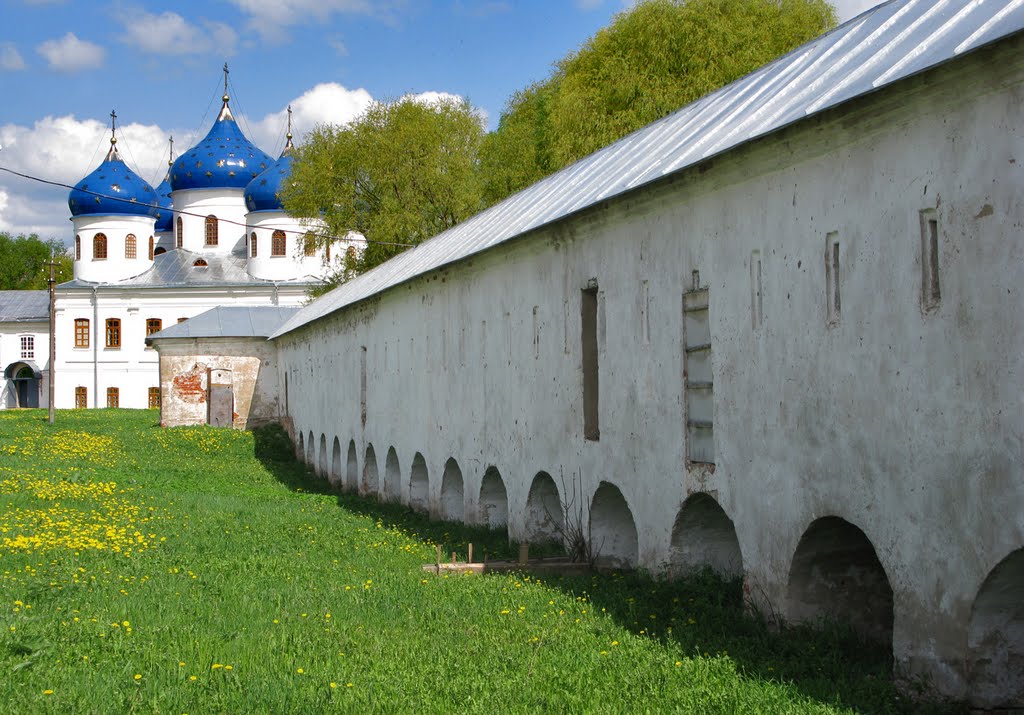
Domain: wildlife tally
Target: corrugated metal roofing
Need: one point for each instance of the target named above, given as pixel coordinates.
(879, 47)
(22, 306)
(177, 269)
(229, 322)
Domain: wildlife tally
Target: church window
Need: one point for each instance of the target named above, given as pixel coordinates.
(159, 251)
(130, 246)
(211, 230)
(78, 248)
(81, 397)
(113, 397)
(278, 243)
(182, 320)
(178, 235)
(154, 397)
(28, 347)
(153, 325)
(309, 245)
(327, 253)
(81, 332)
(113, 339)
(151, 248)
(253, 244)
(200, 263)
(99, 246)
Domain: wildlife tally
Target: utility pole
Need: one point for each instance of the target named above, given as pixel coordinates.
(53, 332)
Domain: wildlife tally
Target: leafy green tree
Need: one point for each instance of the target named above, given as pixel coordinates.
(402, 172)
(23, 261)
(518, 152)
(650, 61)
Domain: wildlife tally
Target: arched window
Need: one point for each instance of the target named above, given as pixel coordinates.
(151, 248)
(309, 244)
(129, 246)
(177, 237)
(99, 246)
(78, 248)
(211, 230)
(159, 251)
(327, 253)
(278, 243)
(252, 243)
(200, 263)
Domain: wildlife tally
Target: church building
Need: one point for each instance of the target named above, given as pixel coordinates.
(213, 233)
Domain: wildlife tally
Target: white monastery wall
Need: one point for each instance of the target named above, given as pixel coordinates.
(872, 444)
(14, 350)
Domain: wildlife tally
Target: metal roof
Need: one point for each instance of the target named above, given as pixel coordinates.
(24, 306)
(229, 322)
(177, 269)
(879, 47)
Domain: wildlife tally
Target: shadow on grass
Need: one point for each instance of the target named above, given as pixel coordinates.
(702, 614)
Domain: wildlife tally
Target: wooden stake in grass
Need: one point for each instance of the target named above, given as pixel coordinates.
(438, 564)
(453, 558)
(524, 553)
(469, 559)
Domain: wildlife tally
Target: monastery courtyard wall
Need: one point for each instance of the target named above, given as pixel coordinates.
(799, 362)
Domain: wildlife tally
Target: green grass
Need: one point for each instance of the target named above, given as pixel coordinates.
(218, 576)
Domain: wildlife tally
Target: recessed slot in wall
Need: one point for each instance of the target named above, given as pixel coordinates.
(536, 332)
(930, 293)
(645, 312)
(755, 289)
(362, 385)
(832, 275)
(588, 319)
(698, 378)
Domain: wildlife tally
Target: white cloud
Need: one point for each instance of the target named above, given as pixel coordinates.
(327, 103)
(170, 34)
(54, 148)
(69, 54)
(846, 9)
(272, 17)
(588, 4)
(10, 58)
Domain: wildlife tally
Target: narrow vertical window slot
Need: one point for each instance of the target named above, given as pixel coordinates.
(536, 333)
(645, 312)
(698, 377)
(362, 385)
(588, 319)
(931, 295)
(756, 305)
(832, 276)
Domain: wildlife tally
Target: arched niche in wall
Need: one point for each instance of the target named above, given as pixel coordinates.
(544, 518)
(311, 451)
(836, 576)
(453, 497)
(370, 481)
(392, 476)
(419, 484)
(352, 468)
(336, 466)
(703, 536)
(493, 502)
(995, 639)
(612, 529)
(322, 467)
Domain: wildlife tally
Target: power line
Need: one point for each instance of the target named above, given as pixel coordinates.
(190, 213)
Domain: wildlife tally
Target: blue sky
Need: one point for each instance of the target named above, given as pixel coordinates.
(64, 64)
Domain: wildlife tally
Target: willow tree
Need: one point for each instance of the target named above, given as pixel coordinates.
(398, 174)
(651, 60)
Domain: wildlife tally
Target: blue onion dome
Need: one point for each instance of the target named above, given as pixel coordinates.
(224, 159)
(264, 192)
(165, 216)
(112, 189)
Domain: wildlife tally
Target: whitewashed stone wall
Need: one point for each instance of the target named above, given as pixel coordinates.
(867, 450)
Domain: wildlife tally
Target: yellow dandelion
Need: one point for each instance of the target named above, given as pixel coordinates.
(216, 666)
(192, 677)
(138, 676)
(228, 667)
(47, 692)
(333, 686)
(300, 671)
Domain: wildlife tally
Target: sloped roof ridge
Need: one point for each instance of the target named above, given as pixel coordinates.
(881, 46)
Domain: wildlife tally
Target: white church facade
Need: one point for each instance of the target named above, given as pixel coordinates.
(213, 233)
(778, 333)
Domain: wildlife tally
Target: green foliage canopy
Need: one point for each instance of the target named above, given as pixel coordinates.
(402, 172)
(23, 261)
(650, 61)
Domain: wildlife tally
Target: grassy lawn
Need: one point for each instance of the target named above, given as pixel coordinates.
(195, 570)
